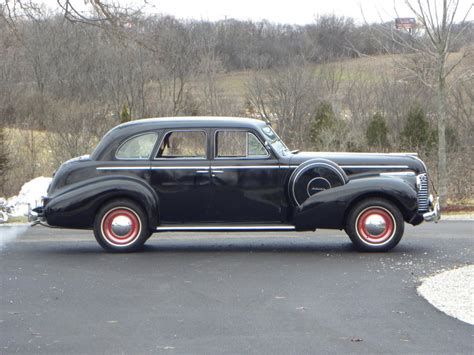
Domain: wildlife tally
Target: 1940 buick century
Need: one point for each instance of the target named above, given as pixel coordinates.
(212, 173)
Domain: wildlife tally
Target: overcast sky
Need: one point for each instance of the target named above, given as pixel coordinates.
(286, 11)
(281, 11)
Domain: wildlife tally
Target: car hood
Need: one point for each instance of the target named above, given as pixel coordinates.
(365, 162)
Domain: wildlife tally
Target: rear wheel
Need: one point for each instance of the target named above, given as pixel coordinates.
(121, 226)
(375, 225)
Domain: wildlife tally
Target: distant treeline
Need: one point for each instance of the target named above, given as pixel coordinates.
(64, 84)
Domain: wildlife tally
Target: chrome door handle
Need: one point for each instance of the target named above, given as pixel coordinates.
(217, 171)
(202, 171)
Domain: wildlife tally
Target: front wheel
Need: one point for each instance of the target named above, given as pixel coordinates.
(375, 225)
(121, 226)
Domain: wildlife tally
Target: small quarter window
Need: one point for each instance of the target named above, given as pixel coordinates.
(183, 144)
(238, 144)
(138, 147)
(255, 147)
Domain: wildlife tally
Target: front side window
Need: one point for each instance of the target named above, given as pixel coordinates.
(239, 144)
(138, 147)
(183, 144)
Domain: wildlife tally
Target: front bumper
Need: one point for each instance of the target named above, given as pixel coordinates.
(434, 214)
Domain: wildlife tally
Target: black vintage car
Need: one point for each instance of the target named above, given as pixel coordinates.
(221, 174)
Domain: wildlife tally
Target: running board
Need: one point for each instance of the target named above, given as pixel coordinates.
(225, 228)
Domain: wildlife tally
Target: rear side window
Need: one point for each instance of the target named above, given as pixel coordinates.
(183, 144)
(138, 147)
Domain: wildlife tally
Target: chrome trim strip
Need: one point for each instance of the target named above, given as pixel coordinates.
(251, 167)
(223, 228)
(399, 173)
(246, 167)
(374, 166)
(180, 159)
(190, 167)
(363, 153)
(179, 167)
(122, 167)
(358, 166)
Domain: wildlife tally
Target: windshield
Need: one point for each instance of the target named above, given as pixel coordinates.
(275, 141)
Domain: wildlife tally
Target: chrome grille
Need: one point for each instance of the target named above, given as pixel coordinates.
(423, 193)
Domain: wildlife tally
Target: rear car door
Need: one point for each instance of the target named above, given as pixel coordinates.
(180, 175)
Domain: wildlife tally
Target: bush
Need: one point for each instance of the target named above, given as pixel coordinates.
(125, 114)
(377, 132)
(417, 134)
(330, 132)
(324, 120)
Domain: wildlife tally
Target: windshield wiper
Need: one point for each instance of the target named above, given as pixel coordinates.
(296, 151)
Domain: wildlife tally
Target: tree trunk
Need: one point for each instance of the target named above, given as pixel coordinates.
(442, 167)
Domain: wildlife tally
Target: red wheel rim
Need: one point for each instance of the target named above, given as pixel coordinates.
(120, 214)
(384, 232)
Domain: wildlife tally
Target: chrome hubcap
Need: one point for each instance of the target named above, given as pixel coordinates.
(121, 225)
(375, 224)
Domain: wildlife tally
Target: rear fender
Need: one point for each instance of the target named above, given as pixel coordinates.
(328, 209)
(76, 206)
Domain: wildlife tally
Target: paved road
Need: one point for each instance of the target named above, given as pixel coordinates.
(269, 293)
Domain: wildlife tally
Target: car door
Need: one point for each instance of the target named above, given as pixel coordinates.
(247, 181)
(180, 176)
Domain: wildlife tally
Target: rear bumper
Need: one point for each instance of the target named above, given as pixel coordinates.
(434, 214)
(36, 216)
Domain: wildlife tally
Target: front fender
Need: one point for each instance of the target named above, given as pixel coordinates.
(328, 209)
(77, 205)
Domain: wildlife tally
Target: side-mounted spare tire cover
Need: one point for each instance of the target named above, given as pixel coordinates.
(314, 176)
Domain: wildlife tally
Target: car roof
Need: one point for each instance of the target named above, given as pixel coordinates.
(194, 121)
(109, 143)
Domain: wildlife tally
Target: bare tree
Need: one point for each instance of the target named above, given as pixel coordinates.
(176, 63)
(286, 97)
(431, 61)
(98, 13)
(72, 130)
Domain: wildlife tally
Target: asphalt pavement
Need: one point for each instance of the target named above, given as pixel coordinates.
(201, 293)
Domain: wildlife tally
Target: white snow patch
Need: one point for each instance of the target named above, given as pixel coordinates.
(30, 193)
(452, 292)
